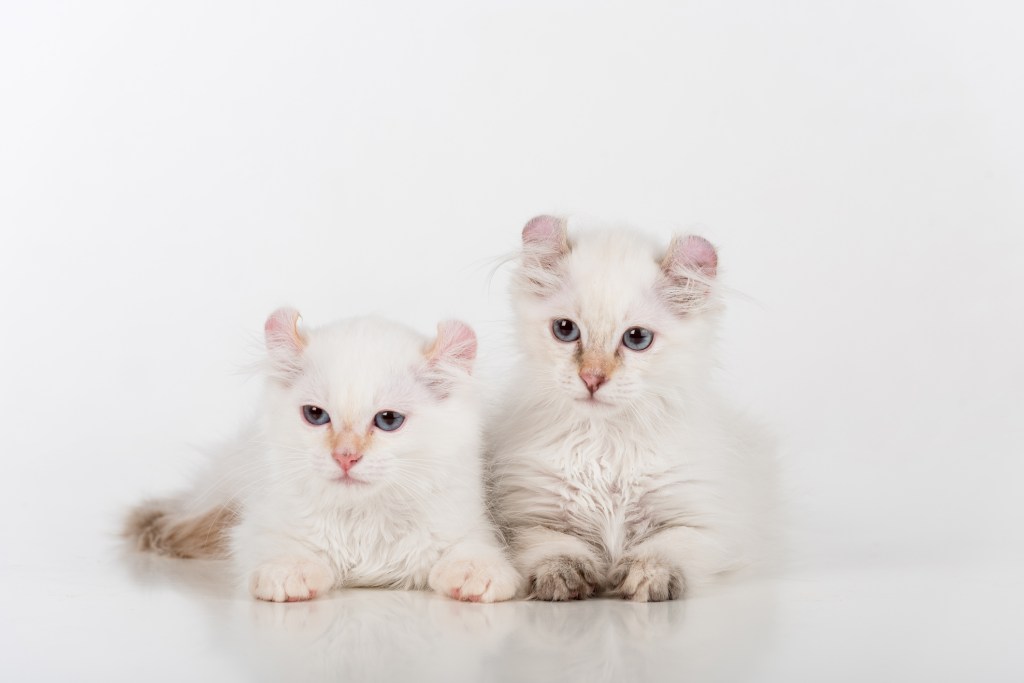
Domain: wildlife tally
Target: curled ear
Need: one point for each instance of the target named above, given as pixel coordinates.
(449, 356)
(546, 234)
(285, 342)
(545, 242)
(690, 266)
(455, 346)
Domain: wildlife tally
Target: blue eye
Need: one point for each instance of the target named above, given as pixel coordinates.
(388, 420)
(637, 338)
(565, 330)
(315, 415)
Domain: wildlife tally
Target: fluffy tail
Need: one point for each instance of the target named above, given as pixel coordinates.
(166, 527)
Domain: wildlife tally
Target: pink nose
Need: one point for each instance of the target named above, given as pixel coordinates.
(592, 379)
(346, 459)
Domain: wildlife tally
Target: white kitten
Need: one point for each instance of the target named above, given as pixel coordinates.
(363, 470)
(616, 467)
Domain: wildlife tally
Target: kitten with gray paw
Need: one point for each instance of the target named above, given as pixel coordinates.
(616, 467)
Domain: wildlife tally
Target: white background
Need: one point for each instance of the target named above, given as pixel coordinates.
(170, 173)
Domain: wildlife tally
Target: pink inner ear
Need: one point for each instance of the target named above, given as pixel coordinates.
(281, 331)
(695, 253)
(455, 343)
(545, 230)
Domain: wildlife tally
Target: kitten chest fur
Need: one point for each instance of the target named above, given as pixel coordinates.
(389, 540)
(609, 486)
(367, 548)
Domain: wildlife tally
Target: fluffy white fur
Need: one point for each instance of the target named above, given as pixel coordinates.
(409, 514)
(652, 486)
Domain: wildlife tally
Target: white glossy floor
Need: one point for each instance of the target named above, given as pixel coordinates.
(143, 618)
(172, 172)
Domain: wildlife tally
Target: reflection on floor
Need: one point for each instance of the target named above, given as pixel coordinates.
(150, 618)
(366, 634)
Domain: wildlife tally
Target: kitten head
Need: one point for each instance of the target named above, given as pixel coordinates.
(366, 404)
(610, 322)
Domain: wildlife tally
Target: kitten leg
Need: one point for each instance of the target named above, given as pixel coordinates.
(280, 566)
(475, 570)
(665, 566)
(558, 566)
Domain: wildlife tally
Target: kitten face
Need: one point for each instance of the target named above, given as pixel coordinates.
(356, 406)
(609, 323)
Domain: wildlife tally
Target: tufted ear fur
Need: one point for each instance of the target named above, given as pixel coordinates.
(545, 242)
(690, 266)
(450, 355)
(546, 234)
(285, 343)
(455, 345)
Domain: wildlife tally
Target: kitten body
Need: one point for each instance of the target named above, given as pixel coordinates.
(301, 508)
(618, 469)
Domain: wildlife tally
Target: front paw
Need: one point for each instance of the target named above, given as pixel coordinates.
(289, 581)
(647, 579)
(564, 577)
(475, 580)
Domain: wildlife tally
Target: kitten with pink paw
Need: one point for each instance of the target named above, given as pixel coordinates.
(290, 581)
(365, 464)
(490, 580)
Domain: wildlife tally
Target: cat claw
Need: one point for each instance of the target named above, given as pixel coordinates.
(564, 578)
(647, 579)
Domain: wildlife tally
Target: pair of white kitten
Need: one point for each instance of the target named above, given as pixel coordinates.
(612, 468)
